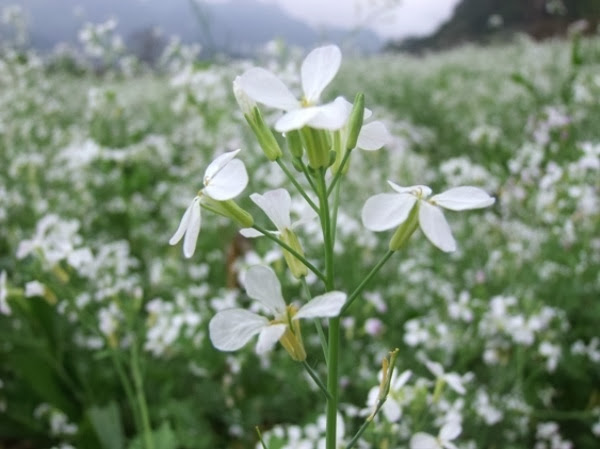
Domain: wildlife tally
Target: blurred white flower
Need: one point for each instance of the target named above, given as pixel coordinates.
(318, 69)
(453, 380)
(224, 179)
(448, 432)
(388, 210)
(4, 307)
(231, 329)
(391, 408)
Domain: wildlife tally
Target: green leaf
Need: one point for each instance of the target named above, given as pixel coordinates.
(106, 422)
(164, 438)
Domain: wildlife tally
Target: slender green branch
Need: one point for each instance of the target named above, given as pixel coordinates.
(141, 398)
(307, 175)
(291, 250)
(128, 390)
(358, 290)
(293, 180)
(318, 324)
(339, 173)
(317, 380)
(336, 205)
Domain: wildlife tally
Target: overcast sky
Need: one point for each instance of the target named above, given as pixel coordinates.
(389, 18)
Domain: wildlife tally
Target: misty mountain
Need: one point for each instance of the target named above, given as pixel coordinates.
(234, 27)
(485, 20)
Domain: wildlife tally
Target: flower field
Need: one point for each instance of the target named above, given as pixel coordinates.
(104, 326)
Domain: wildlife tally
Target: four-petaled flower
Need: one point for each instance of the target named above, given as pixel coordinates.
(224, 179)
(389, 210)
(448, 432)
(318, 69)
(231, 329)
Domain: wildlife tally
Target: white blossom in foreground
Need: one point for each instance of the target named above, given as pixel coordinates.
(224, 179)
(448, 432)
(318, 70)
(231, 329)
(389, 210)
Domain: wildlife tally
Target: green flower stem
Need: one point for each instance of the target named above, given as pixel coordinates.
(311, 372)
(318, 324)
(300, 189)
(336, 205)
(334, 323)
(366, 280)
(307, 175)
(131, 399)
(291, 250)
(338, 175)
(141, 398)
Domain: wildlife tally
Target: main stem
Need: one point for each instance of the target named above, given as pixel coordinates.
(334, 323)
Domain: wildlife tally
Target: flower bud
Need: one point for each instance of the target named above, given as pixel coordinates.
(317, 147)
(228, 209)
(294, 141)
(291, 340)
(355, 121)
(405, 230)
(297, 268)
(252, 114)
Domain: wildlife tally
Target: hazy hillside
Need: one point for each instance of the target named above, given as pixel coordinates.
(237, 26)
(481, 20)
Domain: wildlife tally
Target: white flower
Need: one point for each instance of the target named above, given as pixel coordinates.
(318, 69)
(231, 329)
(448, 432)
(4, 307)
(224, 179)
(276, 204)
(452, 379)
(389, 210)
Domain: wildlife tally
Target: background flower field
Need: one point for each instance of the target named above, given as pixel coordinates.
(100, 156)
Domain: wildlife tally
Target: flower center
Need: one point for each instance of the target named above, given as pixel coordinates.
(306, 103)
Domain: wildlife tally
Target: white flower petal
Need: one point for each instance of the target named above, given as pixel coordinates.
(193, 229)
(435, 227)
(331, 116)
(250, 233)
(422, 440)
(373, 136)
(436, 368)
(295, 119)
(418, 190)
(229, 182)
(220, 162)
(183, 225)
(318, 69)
(276, 205)
(262, 284)
(448, 445)
(307, 216)
(463, 198)
(386, 210)
(264, 87)
(450, 431)
(229, 330)
(269, 336)
(392, 410)
(455, 382)
(323, 306)
(401, 380)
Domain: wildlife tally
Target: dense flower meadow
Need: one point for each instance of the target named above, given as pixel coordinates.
(104, 326)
